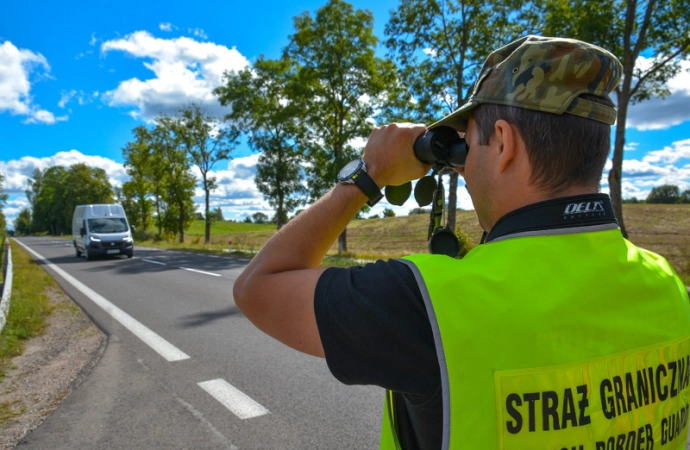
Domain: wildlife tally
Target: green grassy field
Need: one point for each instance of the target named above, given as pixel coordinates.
(664, 229)
(29, 308)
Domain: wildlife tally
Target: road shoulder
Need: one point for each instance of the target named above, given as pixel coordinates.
(50, 368)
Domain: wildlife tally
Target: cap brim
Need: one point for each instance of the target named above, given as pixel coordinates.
(458, 118)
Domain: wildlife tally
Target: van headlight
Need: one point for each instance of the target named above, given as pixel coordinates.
(94, 239)
(127, 239)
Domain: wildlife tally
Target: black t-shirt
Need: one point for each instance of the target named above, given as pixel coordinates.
(375, 330)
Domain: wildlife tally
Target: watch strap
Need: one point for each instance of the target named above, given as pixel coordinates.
(364, 182)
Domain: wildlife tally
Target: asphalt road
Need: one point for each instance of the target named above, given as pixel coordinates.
(184, 369)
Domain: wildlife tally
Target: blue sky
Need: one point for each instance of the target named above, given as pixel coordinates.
(75, 80)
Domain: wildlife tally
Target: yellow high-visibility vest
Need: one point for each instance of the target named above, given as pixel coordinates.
(565, 341)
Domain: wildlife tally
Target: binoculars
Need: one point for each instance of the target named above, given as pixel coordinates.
(441, 147)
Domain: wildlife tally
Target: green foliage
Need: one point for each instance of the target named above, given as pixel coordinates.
(3, 201)
(57, 191)
(206, 144)
(339, 85)
(161, 178)
(261, 108)
(22, 224)
(418, 210)
(247, 219)
(217, 215)
(259, 217)
(684, 196)
(632, 200)
(667, 193)
(141, 165)
(440, 46)
(388, 213)
(466, 242)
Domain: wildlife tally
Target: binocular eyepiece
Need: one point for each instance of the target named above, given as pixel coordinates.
(442, 147)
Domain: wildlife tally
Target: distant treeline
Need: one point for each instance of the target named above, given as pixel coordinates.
(667, 194)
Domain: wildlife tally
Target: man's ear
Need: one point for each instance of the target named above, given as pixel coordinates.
(507, 139)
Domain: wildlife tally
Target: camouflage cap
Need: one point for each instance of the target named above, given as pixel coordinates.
(544, 74)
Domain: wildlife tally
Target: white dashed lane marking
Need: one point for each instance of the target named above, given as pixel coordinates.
(232, 398)
(200, 271)
(154, 262)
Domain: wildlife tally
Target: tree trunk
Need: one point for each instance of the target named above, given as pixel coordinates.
(342, 242)
(207, 238)
(452, 201)
(616, 172)
(181, 223)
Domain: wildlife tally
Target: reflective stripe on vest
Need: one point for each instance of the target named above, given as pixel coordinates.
(577, 341)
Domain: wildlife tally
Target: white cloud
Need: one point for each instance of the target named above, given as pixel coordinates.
(185, 71)
(659, 113)
(165, 26)
(15, 68)
(81, 97)
(236, 194)
(198, 32)
(656, 168)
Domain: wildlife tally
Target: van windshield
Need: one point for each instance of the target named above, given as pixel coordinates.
(108, 225)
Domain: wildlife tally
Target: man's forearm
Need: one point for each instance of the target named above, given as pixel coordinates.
(276, 290)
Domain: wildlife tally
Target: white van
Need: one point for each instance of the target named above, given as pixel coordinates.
(101, 230)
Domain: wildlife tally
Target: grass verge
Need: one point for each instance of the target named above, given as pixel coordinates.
(29, 306)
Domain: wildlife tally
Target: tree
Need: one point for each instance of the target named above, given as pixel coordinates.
(206, 144)
(22, 224)
(177, 180)
(628, 29)
(3, 201)
(667, 193)
(339, 84)
(261, 107)
(60, 190)
(259, 217)
(440, 45)
(684, 197)
(139, 164)
(388, 213)
(217, 215)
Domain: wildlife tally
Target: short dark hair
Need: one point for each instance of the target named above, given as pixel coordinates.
(564, 150)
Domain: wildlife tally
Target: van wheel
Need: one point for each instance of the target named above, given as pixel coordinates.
(77, 252)
(86, 255)
(130, 254)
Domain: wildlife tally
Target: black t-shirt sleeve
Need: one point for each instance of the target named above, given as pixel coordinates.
(375, 329)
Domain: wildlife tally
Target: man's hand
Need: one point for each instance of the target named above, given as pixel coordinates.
(276, 290)
(390, 156)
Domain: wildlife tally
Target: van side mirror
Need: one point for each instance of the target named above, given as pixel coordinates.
(133, 228)
(82, 232)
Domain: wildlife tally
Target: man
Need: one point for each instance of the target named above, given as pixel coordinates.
(554, 333)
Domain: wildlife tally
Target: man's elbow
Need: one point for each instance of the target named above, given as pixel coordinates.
(239, 292)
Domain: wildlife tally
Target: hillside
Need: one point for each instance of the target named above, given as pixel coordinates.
(664, 229)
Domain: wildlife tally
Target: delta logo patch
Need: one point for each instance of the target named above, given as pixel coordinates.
(586, 208)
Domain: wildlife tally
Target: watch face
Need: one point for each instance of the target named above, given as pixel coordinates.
(350, 169)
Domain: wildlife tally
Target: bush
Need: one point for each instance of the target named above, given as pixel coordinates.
(388, 213)
(466, 242)
(667, 194)
(144, 235)
(414, 211)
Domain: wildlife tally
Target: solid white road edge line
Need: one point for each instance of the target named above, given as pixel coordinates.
(232, 398)
(200, 271)
(154, 262)
(148, 336)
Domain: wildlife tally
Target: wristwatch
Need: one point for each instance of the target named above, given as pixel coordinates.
(355, 172)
